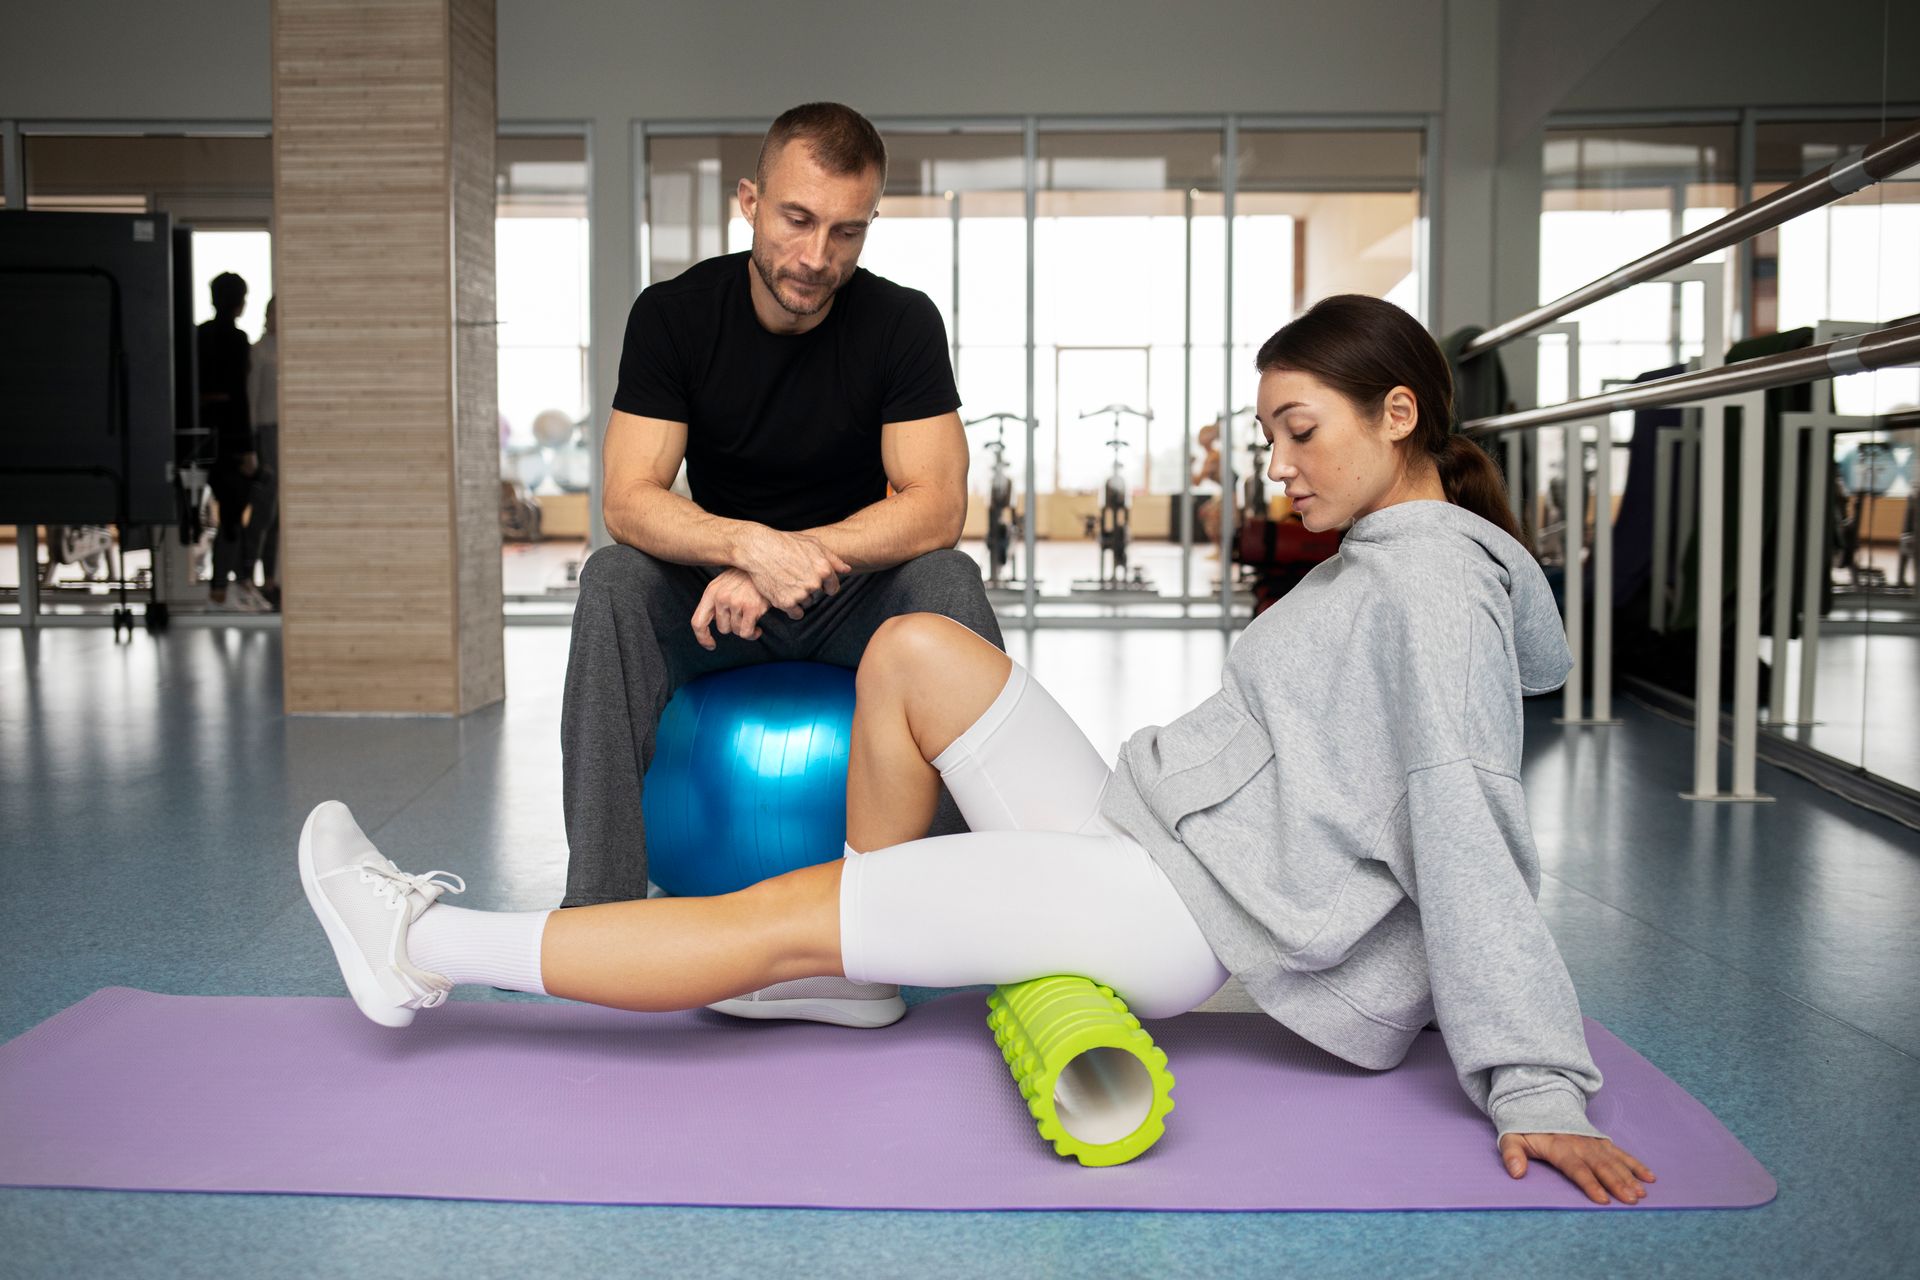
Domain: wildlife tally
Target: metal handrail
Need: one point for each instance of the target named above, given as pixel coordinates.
(1897, 344)
(1850, 173)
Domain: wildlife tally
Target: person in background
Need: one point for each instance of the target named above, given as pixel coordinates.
(237, 481)
(263, 398)
(1209, 469)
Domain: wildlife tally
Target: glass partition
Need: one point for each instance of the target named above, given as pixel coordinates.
(1840, 633)
(1609, 196)
(1316, 213)
(541, 298)
(952, 224)
(1851, 265)
(1129, 259)
(1131, 338)
(690, 208)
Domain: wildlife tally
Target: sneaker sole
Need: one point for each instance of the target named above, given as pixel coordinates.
(841, 1013)
(361, 984)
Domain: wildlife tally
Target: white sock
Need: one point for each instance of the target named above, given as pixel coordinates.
(850, 852)
(495, 948)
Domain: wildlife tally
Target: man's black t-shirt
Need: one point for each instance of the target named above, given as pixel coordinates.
(783, 429)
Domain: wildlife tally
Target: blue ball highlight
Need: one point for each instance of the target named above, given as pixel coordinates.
(749, 777)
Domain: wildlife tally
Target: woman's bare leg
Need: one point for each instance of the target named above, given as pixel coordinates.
(923, 680)
(684, 953)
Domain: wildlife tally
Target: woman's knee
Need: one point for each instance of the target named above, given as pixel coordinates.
(798, 914)
(908, 648)
(904, 643)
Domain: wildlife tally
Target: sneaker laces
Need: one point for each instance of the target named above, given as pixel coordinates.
(393, 886)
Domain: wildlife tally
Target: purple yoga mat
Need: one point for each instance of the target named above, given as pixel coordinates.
(567, 1103)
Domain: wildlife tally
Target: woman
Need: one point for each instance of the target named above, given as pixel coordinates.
(1341, 826)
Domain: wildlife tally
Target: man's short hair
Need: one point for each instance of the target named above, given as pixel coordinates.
(228, 290)
(841, 139)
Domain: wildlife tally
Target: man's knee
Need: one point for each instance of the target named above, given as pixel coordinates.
(619, 569)
(945, 581)
(947, 565)
(948, 582)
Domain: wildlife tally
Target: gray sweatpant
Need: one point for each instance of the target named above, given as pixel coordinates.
(633, 646)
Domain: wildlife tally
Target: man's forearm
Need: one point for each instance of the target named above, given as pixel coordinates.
(895, 529)
(669, 527)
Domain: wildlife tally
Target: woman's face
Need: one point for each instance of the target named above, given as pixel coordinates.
(1335, 464)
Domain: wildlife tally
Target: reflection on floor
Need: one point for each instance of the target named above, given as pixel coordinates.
(150, 793)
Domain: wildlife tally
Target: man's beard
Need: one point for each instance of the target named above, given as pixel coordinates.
(769, 278)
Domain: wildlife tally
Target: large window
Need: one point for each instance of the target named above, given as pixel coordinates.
(1129, 260)
(541, 297)
(540, 273)
(952, 224)
(1610, 196)
(1857, 259)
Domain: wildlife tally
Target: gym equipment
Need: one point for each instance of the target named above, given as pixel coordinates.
(101, 403)
(558, 454)
(132, 1090)
(552, 428)
(1276, 554)
(1114, 521)
(749, 777)
(525, 465)
(1003, 522)
(1096, 1085)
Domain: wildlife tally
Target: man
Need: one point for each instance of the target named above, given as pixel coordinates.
(798, 389)
(238, 481)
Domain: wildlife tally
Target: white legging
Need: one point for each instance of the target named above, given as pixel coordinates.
(1041, 885)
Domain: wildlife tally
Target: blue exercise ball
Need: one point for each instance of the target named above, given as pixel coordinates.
(749, 777)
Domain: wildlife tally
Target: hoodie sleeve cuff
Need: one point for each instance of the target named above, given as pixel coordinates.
(1544, 1111)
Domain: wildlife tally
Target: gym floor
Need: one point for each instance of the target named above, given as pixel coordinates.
(150, 793)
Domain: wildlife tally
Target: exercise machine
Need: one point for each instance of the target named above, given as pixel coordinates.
(1112, 524)
(1003, 522)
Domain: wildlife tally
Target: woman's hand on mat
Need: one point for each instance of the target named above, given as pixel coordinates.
(731, 605)
(789, 569)
(1594, 1165)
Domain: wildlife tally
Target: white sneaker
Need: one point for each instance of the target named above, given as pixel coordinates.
(841, 1001)
(366, 905)
(240, 597)
(244, 597)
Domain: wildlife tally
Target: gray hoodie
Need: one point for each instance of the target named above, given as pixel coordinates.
(1345, 819)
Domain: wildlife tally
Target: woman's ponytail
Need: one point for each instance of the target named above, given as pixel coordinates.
(1471, 480)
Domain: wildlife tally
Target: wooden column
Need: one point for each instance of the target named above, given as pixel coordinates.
(383, 135)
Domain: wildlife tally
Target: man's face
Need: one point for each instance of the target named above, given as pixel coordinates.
(809, 226)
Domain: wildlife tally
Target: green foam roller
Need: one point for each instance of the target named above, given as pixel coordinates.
(1097, 1086)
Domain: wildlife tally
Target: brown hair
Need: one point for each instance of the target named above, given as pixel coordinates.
(841, 139)
(1365, 347)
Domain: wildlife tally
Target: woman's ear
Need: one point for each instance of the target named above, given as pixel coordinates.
(1403, 413)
